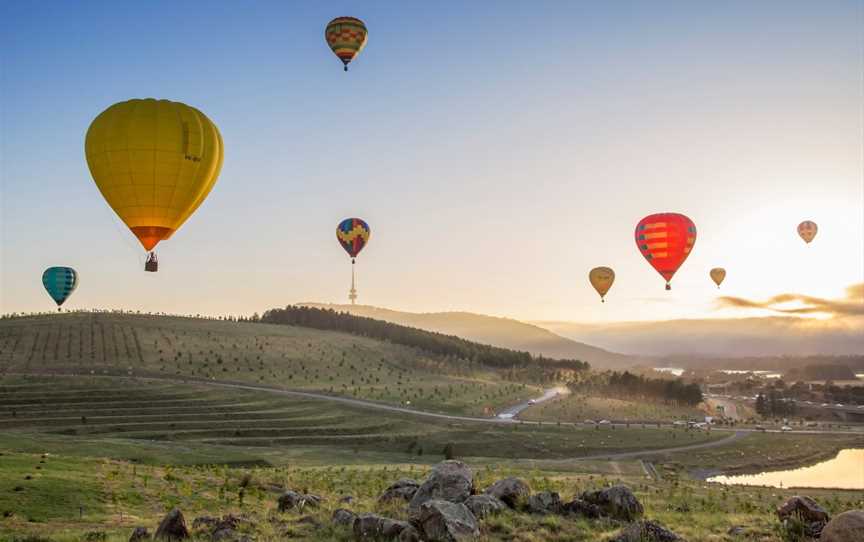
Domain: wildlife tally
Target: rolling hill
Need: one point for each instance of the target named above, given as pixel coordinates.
(503, 332)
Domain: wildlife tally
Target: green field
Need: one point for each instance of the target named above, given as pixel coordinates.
(576, 408)
(276, 355)
(107, 421)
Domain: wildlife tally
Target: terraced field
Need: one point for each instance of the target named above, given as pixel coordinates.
(285, 356)
(111, 414)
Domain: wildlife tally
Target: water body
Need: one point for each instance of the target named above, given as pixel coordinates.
(846, 471)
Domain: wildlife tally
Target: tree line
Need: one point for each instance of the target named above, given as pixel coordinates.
(428, 341)
(629, 386)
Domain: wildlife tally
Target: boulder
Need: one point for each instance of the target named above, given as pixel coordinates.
(410, 534)
(204, 523)
(445, 521)
(484, 505)
(172, 527)
(617, 502)
(290, 500)
(450, 481)
(803, 508)
(341, 516)
(544, 502)
(375, 527)
(845, 527)
(139, 534)
(582, 508)
(403, 489)
(510, 490)
(646, 531)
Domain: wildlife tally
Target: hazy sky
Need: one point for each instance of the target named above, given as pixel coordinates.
(498, 150)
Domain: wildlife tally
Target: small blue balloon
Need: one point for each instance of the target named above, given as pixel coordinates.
(60, 282)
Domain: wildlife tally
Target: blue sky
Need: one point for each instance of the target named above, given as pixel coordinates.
(498, 150)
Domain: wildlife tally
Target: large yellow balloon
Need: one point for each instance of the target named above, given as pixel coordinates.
(154, 162)
(601, 279)
(717, 275)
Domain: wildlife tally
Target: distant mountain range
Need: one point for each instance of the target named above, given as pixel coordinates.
(722, 338)
(503, 332)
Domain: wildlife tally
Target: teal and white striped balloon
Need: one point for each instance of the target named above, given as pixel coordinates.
(60, 282)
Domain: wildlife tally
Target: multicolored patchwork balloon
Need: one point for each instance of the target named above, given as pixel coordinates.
(60, 282)
(665, 239)
(346, 36)
(807, 230)
(353, 234)
(601, 279)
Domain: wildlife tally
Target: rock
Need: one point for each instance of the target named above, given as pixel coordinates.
(617, 502)
(450, 481)
(410, 534)
(545, 502)
(445, 521)
(646, 531)
(347, 499)
(139, 534)
(804, 508)
(845, 527)
(375, 527)
(510, 490)
(484, 505)
(582, 508)
(204, 523)
(172, 527)
(736, 530)
(401, 489)
(289, 500)
(341, 516)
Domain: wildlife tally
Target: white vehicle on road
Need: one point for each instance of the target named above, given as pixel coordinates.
(532, 402)
(785, 428)
(604, 422)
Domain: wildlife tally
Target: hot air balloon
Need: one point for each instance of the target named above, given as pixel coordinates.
(154, 163)
(60, 282)
(665, 239)
(346, 36)
(353, 234)
(807, 230)
(717, 275)
(601, 279)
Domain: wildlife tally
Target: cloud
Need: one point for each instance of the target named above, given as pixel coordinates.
(851, 305)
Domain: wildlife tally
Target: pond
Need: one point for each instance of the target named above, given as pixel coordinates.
(846, 471)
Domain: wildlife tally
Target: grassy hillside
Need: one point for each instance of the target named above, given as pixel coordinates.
(276, 355)
(503, 332)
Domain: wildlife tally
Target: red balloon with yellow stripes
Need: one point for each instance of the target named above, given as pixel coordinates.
(666, 239)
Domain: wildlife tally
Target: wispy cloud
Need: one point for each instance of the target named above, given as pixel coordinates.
(851, 305)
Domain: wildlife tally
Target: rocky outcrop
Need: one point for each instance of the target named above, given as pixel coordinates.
(445, 521)
(646, 531)
(172, 527)
(582, 508)
(139, 534)
(290, 500)
(451, 481)
(342, 516)
(805, 510)
(403, 489)
(484, 505)
(544, 502)
(845, 527)
(617, 502)
(375, 527)
(512, 491)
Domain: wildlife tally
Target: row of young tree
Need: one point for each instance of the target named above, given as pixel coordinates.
(631, 386)
(428, 341)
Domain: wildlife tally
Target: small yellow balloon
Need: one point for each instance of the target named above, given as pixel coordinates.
(717, 275)
(601, 279)
(807, 230)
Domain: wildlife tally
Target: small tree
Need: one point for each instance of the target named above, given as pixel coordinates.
(449, 451)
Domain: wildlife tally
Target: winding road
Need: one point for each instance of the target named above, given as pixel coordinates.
(505, 417)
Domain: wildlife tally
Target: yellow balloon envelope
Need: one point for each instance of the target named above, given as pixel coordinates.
(154, 162)
(807, 230)
(717, 275)
(601, 279)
